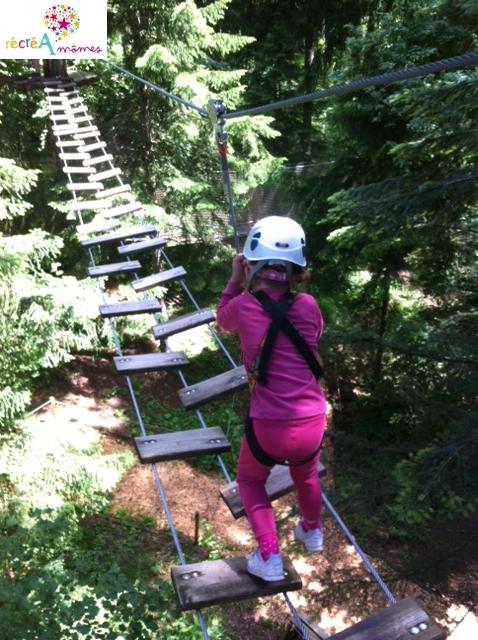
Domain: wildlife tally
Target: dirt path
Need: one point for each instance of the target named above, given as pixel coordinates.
(337, 590)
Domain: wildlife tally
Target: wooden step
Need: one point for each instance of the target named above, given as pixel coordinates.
(73, 101)
(142, 245)
(75, 111)
(196, 395)
(94, 146)
(113, 238)
(68, 94)
(84, 170)
(87, 132)
(59, 117)
(106, 157)
(114, 269)
(80, 119)
(97, 227)
(203, 584)
(87, 205)
(151, 305)
(85, 186)
(74, 156)
(181, 445)
(158, 279)
(64, 144)
(278, 484)
(401, 621)
(106, 175)
(55, 100)
(115, 191)
(64, 129)
(188, 321)
(149, 362)
(123, 209)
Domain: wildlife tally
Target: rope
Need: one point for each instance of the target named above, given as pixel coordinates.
(154, 87)
(448, 64)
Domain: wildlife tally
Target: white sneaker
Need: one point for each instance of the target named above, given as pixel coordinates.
(312, 539)
(270, 570)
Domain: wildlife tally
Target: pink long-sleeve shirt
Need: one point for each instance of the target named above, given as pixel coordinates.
(291, 391)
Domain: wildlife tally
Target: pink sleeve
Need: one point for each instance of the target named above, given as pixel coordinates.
(228, 308)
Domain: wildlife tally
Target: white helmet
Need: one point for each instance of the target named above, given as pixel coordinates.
(276, 238)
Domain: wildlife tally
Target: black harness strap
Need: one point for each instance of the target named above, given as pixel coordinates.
(278, 312)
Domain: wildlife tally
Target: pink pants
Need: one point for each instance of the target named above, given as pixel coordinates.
(287, 440)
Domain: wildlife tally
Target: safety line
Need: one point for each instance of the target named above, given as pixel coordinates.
(155, 87)
(447, 64)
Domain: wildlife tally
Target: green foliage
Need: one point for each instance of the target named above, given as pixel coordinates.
(69, 565)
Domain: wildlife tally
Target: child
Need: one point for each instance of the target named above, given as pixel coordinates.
(287, 405)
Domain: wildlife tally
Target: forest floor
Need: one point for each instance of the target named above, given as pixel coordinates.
(337, 589)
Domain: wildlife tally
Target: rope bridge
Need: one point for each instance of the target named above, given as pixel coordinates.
(82, 152)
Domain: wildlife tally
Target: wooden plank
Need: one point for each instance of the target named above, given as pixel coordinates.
(97, 227)
(59, 117)
(278, 484)
(149, 362)
(115, 191)
(203, 584)
(123, 209)
(105, 175)
(79, 119)
(87, 205)
(401, 621)
(187, 321)
(215, 387)
(87, 132)
(181, 445)
(75, 111)
(143, 245)
(98, 159)
(135, 307)
(113, 238)
(85, 186)
(114, 269)
(158, 279)
(68, 169)
(74, 156)
(95, 146)
(69, 143)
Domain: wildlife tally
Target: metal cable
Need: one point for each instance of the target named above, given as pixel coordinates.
(448, 64)
(362, 555)
(154, 87)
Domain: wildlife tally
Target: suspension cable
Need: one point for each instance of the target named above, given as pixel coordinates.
(154, 87)
(362, 555)
(447, 64)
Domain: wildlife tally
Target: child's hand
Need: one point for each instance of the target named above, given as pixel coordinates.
(238, 269)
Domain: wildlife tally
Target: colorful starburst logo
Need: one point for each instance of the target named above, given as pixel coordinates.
(62, 20)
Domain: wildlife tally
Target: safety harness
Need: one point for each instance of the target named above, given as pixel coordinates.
(258, 372)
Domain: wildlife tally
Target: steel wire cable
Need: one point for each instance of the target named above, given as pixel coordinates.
(448, 64)
(154, 87)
